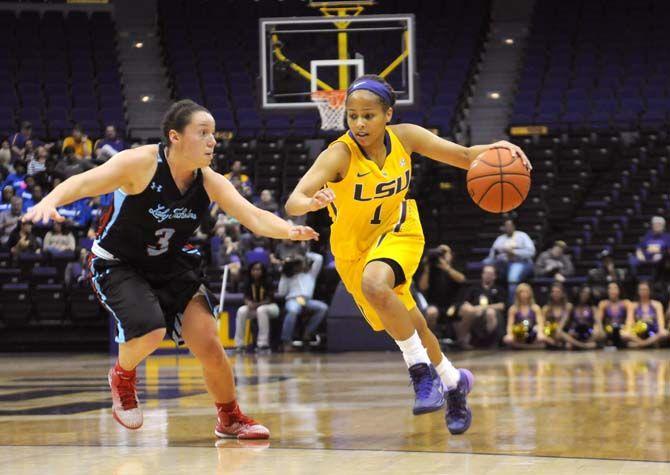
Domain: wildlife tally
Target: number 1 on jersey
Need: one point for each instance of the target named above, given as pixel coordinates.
(377, 215)
(163, 244)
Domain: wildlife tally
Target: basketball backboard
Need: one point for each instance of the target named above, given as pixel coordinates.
(300, 55)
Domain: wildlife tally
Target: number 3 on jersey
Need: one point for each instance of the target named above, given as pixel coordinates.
(163, 244)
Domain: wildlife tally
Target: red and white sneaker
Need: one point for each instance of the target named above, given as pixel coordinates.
(235, 424)
(125, 405)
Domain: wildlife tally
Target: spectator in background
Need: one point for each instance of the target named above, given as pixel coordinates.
(440, 284)
(612, 313)
(653, 245)
(240, 180)
(19, 139)
(297, 284)
(5, 155)
(482, 312)
(258, 303)
(38, 163)
(70, 165)
(110, 145)
(645, 322)
(287, 248)
(80, 143)
(28, 152)
(22, 239)
(98, 206)
(224, 225)
(7, 194)
(229, 255)
(600, 277)
(17, 180)
(556, 313)
(267, 202)
(77, 273)
(25, 190)
(9, 219)
(33, 198)
(582, 331)
(661, 280)
(524, 321)
(78, 214)
(512, 254)
(58, 239)
(555, 263)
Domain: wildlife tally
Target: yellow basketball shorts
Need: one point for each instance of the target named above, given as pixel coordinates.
(403, 244)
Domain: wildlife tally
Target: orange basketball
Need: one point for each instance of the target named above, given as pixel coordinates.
(497, 181)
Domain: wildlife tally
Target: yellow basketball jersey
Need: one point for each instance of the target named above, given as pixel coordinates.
(369, 201)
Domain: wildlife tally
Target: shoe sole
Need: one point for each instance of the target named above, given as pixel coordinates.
(471, 382)
(257, 436)
(117, 419)
(428, 410)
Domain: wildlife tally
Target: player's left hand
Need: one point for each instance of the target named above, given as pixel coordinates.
(515, 151)
(302, 233)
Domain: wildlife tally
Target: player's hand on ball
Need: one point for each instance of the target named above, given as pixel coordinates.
(42, 211)
(322, 198)
(302, 233)
(515, 151)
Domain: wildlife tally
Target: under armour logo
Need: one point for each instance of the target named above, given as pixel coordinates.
(155, 187)
(402, 162)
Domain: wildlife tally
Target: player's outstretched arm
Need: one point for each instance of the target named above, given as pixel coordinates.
(117, 172)
(309, 194)
(260, 222)
(430, 145)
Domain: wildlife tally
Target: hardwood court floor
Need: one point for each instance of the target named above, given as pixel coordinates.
(539, 412)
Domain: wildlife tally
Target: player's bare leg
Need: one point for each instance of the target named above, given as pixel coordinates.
(133, 352)
(200, 334)
(377, 286)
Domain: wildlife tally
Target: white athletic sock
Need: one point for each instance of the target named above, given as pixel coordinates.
(448, 374)
(413, 350)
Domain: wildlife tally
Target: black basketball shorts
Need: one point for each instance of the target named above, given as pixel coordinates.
(142, 301)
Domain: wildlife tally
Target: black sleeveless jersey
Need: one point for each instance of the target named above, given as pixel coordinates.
(146, 230)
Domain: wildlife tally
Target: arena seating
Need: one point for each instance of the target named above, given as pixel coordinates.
(595, 65)
(62, 69)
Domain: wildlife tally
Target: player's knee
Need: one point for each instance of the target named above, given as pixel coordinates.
(377, 293)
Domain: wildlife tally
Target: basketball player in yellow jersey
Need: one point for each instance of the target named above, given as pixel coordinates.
(376, 236)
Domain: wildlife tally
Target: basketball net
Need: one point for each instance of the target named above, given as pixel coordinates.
(331, 108)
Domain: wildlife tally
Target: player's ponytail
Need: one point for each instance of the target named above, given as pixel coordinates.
(178, 117)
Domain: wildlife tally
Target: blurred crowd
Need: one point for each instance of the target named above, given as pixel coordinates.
(524, 301)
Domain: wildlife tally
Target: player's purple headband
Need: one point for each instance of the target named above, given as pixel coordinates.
(374, 87)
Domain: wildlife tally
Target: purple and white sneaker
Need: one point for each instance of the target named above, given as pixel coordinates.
(459, 415)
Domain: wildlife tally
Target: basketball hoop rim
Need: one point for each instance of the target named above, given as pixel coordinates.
(335, 98)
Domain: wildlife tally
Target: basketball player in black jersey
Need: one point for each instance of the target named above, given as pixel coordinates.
(143, 273)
